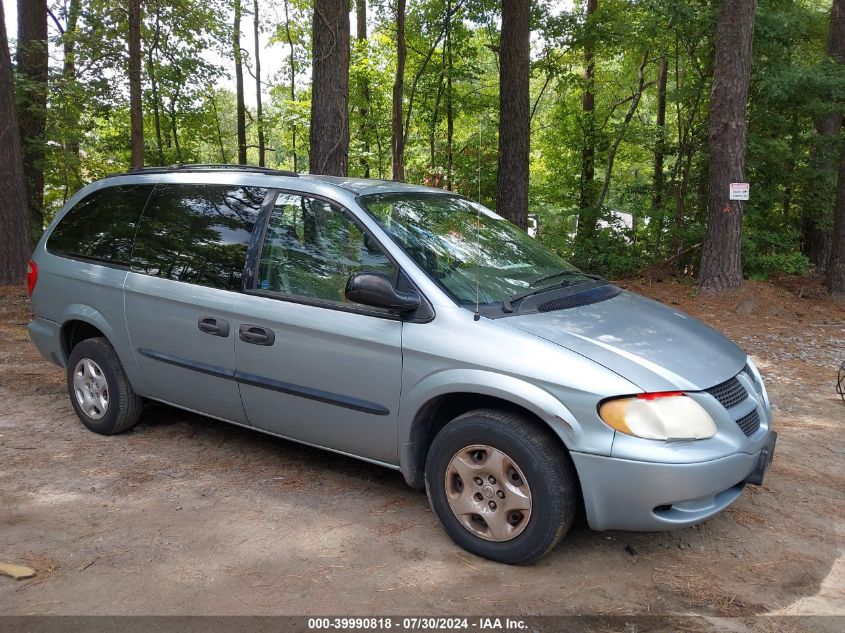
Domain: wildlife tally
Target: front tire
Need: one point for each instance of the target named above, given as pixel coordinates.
(99, 389)
(502, 487)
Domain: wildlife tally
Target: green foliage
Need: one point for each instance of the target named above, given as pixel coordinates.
(610, 254)
(769, 253)
(793, 83)
(450, 110)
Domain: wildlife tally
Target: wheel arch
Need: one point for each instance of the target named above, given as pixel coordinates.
(475, 389)
(74, 332)
(80, 322)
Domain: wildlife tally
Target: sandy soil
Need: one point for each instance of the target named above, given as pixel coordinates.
(185, 515)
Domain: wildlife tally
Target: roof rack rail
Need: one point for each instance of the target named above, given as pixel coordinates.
(169, 169)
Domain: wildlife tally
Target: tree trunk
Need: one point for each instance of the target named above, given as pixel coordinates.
(690, 143)
(151, 71)
(657, 180)
(836, 267)
(14, 217)
(721, 257)
(173, 123)
(69, 75)
(329, 133)
(588, 217)
(681, 186)
(815, 218)
(794, 160)
(363, 111)
(398, 132)
(32, 103)
(69, 94)
(69, 49)
(450, 113)
(259, 119)
(435, 117)
(136, 112)
(223, 158)
(514, 116)
(836, 264)
(292, 58)
(239, 84)
(156, 114)
(380, 151)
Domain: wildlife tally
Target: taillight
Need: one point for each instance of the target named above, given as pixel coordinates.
(31, 277)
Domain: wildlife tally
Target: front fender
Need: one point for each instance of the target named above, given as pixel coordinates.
(519, 392)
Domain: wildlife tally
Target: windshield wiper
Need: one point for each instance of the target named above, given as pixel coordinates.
(562, 273)
(508, 301)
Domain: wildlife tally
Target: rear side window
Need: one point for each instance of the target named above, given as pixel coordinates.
(198, 234)
(101, 226)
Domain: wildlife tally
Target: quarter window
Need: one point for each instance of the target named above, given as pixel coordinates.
(197, 233)
(101, 226)
(311, 248)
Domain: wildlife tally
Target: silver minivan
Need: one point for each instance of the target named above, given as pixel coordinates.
(406, 326)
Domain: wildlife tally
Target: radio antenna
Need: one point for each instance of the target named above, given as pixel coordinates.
(478, 229)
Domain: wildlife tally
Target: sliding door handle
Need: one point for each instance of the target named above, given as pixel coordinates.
(213, 326)
(256, 334)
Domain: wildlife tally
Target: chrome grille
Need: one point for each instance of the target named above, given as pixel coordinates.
(757, 386)
(730, 393)
(749, 423)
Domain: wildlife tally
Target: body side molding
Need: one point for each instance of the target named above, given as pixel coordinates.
(336, 399)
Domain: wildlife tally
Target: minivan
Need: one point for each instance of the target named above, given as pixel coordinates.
(406, 326)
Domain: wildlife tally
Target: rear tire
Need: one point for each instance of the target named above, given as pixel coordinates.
(99, 389)
(528, 495)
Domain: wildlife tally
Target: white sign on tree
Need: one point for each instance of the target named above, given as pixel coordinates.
(739, 190)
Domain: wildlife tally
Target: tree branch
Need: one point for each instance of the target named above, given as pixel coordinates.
(56, 21)
(406, 127)
(621, 134)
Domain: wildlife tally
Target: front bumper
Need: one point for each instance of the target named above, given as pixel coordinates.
(623, 494)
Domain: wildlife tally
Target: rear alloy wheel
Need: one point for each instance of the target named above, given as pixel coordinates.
(99, 389)
(91, 388)
(502, 486)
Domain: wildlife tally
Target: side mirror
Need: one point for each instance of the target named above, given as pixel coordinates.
(376, 289)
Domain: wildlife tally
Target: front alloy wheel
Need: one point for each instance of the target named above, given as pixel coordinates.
(488, 493)
(502, 485)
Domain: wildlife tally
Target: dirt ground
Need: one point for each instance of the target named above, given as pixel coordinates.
(186, 515)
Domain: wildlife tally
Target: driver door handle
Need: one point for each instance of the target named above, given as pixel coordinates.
(256, 334)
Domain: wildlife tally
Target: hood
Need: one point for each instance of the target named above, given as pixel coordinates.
(653, 346)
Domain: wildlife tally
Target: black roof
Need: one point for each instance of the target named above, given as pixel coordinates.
(357, 186)
(170, 169)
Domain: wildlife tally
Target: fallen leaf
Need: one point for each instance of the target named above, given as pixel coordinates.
(18, 572)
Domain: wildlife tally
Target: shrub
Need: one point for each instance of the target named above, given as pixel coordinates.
(767, 253)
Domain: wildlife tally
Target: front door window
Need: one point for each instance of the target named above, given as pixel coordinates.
(311, 248)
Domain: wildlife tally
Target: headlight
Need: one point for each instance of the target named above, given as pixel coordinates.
(659, 416)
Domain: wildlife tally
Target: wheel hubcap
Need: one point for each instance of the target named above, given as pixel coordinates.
(488, 493)
(90, 388)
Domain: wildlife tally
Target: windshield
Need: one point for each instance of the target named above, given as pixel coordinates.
(446, 235)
